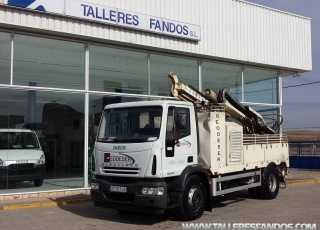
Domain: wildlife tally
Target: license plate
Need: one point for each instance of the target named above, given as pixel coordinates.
(117, 189)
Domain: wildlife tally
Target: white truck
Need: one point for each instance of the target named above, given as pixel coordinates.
(21, 157)
(152, 156)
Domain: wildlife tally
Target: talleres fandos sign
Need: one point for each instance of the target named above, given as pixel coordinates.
(112, 16)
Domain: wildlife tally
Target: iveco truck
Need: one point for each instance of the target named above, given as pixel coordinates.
(152, 156)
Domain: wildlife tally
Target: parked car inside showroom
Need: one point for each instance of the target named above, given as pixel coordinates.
(21, 157)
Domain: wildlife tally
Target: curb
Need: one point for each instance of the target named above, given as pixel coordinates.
(45, 204)
(312, 170)
(305, 181)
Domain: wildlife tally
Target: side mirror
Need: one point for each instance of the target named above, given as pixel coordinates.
(97, 118)
(45, 147)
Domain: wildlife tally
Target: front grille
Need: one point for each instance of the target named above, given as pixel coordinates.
(121, 170)
(21, 166)
(121, 180)
(120, 196)
(21, 172)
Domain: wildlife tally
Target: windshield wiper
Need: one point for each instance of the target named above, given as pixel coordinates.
(134, 140)
(107, 139)
(122, 140)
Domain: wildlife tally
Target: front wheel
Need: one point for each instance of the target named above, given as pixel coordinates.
(194, 199)
(38, 183)
(269, 188)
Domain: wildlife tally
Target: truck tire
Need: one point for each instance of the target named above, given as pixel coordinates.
(194, 199)
(122, 211)
(38, 183)
(269, 188)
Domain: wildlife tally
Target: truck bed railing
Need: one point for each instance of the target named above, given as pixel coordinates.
(253, 139)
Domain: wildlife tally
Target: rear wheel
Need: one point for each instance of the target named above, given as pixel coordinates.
(38, 183)
(269, 188)
(194, 199)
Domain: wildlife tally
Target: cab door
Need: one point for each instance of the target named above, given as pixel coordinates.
(180, 141)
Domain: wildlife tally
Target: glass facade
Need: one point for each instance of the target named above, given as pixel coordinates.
(48, 63)
(263, 91)
(52, 90)
(5, 57)
(217, 76)
(120, 71)
(57, 121)
(160, 66)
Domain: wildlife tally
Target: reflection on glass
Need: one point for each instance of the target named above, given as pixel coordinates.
(219, 76)
(130, 125)
(120, 71)
(263, 91)
(47, 62)
(5, 57)
(160, 66)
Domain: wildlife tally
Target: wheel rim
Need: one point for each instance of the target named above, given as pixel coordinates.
(195, 198)
(272, 182)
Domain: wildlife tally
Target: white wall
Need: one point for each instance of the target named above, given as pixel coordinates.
(231, 30)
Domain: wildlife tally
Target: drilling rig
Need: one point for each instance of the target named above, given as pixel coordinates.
(153, 156)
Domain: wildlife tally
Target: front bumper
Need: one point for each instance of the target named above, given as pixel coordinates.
(22, 172)
(132, 200)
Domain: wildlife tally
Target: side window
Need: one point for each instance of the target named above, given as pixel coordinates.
(144, 120)
(178, 123)
(169, 130)
(182, 118)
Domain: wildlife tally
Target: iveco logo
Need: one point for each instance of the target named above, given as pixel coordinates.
(22, 161)
(119, 147)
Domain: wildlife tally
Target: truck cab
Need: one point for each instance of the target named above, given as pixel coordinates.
(141, 149)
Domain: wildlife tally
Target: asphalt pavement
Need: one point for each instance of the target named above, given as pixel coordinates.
(297, 177)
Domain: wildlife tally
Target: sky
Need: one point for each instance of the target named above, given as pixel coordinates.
(301, 105)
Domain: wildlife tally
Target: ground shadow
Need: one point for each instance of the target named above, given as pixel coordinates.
(88, 210)
(77, 198)
(228, 199)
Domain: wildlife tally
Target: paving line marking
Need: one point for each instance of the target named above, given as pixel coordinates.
(305, 181)
(45, 204)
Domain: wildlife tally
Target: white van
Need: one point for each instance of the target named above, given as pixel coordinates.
(21, 157)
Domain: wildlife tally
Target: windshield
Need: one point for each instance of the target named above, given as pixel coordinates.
(18, 140)
(136, 124)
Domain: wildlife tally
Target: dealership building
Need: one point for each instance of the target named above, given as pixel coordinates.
(62, 61)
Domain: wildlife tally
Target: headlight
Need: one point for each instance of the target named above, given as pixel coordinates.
(42, 159)
(3, 163)
(95, 186)
(152, 191)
